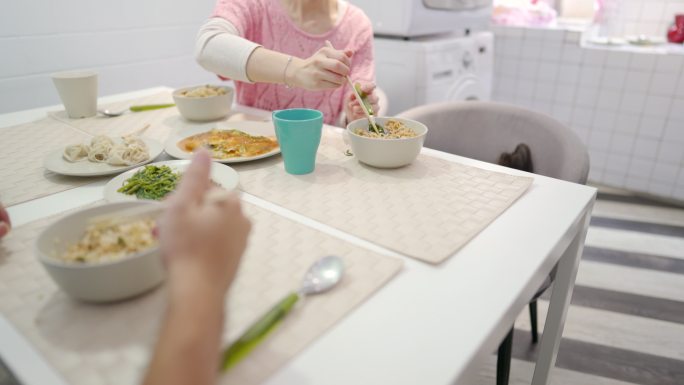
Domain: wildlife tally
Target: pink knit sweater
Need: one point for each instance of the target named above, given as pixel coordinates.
(266, 22)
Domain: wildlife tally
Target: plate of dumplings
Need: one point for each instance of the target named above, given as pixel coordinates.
(103, 155)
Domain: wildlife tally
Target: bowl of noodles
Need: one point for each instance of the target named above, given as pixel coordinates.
(396, 145)
(204, 103)
(101, 262)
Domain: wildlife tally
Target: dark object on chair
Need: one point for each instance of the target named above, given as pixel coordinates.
(519, 159)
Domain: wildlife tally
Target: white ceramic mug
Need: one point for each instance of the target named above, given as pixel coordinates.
(78, 91)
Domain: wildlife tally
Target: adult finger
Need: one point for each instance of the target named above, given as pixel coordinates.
(337, 55)
(4, 229)
(335, 66)
(332, 78)
(325, 84)
(195, 181)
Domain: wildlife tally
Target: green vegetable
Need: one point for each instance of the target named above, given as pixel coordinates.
(150, 107)
(152, 182)
(381, 129)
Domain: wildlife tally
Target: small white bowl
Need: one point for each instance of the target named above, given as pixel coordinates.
(97, 281)
(203, 109)
(386, 153)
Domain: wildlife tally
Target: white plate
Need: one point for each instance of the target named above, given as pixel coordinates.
(221, 174)
(644, 40)
(252, 128)
(607, 41)
(56, 163)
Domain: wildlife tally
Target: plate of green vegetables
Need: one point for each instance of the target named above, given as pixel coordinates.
(156, 181)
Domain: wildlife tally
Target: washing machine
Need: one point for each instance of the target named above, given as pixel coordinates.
(434, 69)
(410, 18)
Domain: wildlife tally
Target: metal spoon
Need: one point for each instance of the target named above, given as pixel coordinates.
(146, 107)
(322, 276)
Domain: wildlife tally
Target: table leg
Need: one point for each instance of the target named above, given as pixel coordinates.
(558, 306)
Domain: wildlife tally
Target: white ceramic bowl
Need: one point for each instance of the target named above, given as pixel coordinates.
(386, 153)
(97, 282)
(206, 108)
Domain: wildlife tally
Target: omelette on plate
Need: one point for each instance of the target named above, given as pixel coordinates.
(225, 144)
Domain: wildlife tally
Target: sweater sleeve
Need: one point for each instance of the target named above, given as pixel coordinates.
(363, 65)
(220, 49)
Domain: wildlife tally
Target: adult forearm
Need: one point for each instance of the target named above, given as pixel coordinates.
(266, 66)
(221, 50)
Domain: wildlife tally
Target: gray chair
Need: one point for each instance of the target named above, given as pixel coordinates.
(483, 131)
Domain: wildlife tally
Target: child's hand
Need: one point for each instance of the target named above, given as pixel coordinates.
(202, 242)
(325, 69)
(352, 108)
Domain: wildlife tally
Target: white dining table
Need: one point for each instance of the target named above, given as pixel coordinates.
(431, 324)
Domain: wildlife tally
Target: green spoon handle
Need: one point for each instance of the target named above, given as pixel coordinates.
(257, 332)
(148, 107)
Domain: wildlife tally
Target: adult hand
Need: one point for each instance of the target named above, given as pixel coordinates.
(5, 223)
(202, 242)
(352, 108)
(325, 69)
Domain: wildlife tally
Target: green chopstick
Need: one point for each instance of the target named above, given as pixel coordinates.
(148, 107)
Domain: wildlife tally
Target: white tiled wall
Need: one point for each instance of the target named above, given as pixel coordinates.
(628, 107)
(634, 17)
(131, 44)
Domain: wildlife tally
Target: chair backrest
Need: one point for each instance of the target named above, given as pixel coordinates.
(484, 130)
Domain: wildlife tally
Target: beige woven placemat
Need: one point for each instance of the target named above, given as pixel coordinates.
(111, 344)
(427, 210)
(161, 122)
(22, 175)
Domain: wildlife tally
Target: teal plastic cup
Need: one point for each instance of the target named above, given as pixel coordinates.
(299, 134)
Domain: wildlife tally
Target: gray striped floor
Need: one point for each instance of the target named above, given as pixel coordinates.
(626, 321)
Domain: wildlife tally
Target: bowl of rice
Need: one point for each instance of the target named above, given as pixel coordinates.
(397, 146)
(101, 262)
(204, 103)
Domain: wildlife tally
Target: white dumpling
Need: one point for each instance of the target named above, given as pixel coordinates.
(100, 147)
(101, 140)
(76, 152)
(116, 155)
(132, 151)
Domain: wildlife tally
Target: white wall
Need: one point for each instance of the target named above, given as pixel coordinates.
(634, 17)
(132, 44)
(627, 105)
